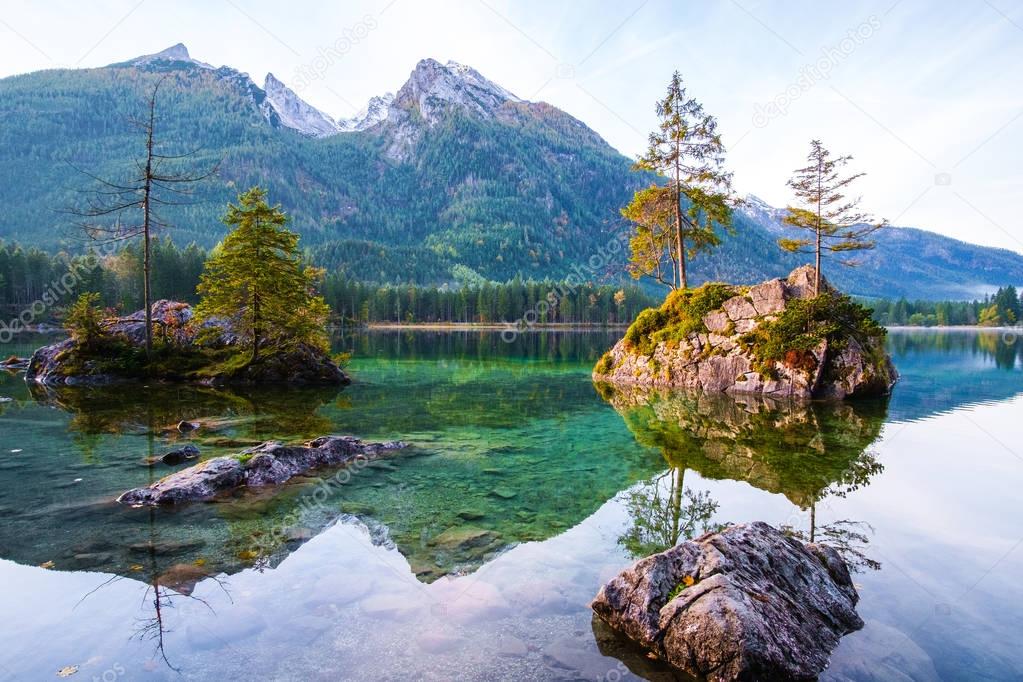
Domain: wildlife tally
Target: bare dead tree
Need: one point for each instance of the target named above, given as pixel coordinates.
(152, 183)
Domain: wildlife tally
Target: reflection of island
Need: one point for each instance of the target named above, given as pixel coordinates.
(801, 450)
(447, 508)
(253, 413)
(805, 451)
(120, 436)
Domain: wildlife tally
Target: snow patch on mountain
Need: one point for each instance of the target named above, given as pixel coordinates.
(174, 53)
(763, 213)
(431, 91)
(373, 113)
(294, 112)
(434, 87)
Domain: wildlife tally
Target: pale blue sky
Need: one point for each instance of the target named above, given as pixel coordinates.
(928, 96)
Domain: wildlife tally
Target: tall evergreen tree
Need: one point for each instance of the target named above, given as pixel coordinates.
(836, 224)
(687, 149)
(256, 279)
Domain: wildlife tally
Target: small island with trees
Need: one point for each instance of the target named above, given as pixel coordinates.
(259, 320)
(789, 338)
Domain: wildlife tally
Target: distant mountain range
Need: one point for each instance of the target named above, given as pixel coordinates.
(450, 178)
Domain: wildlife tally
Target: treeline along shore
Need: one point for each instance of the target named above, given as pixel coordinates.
(36, 286)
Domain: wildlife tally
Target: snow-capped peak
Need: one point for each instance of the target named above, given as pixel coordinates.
(174, 53)
(433, 87)
(764, 213)
(294, 112)
(475, 78)
(374, 112)
(177, 51)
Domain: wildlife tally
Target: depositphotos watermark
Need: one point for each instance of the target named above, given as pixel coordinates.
(579, 275)
(813, 73)
(55, 291)
(1011, 336)
(308, 505)
(329, 55)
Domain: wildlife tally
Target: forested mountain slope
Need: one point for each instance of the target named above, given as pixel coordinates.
(453, 178)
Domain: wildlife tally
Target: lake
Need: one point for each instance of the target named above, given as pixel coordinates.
(474, 553)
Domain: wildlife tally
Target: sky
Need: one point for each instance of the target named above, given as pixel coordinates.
(926, 96)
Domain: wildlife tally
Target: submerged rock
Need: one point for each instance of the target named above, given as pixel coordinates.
(746, 603)
(268, 464)
(182, 578)
(180, 455)
(14, 363)
(722, 338)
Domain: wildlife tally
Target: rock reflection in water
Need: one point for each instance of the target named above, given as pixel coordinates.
(92, 532)
(806, 451)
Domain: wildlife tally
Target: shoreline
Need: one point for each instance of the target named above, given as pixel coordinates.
(486, 326)
(955, 328)
(554, 326)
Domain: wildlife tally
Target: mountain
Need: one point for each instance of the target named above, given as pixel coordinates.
(451, 171)
(293, 112)
(374, 112)
(453, 177)
(908, 261)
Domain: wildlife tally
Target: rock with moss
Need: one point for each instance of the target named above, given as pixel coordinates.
(775, 339)
(207, 353)
(268, 464)
(747, 603)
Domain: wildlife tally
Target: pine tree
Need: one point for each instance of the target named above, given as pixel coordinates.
(686, 149)
(652, 244)
(833, 219)
(256, 279)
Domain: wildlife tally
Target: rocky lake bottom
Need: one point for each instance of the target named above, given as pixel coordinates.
(474, 553)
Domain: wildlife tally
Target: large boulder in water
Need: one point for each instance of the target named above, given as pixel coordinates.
(268, 464)
(775, 339)
(746, 603)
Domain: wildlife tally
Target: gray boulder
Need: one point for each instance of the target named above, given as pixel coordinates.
(267, 464)
(744, 604)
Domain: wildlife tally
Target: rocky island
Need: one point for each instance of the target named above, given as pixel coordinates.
(207, 353)
(775, 339)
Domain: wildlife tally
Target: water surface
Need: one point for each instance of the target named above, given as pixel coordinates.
(474, 554)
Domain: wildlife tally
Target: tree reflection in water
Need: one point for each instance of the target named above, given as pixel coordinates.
(807, 452)
(661, 518)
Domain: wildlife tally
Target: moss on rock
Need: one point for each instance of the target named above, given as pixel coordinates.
(680, 315)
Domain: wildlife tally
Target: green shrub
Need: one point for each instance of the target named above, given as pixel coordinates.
(84, 320)
(605, 364)
(804, 323)
(646, 323)
(210, 336)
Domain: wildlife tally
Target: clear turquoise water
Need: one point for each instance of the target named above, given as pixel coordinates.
(474, 554)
